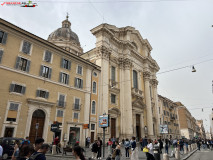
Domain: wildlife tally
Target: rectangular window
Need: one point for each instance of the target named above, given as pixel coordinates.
(94, 87)
(113, 73)
(75, 115)
(1, 55)
(64, 78)
(65, 63)
(160, 120)
(42, 94)
(45, 72)
(61, 101)
(17, 88)
(135, 79)
(159, 110)
(60, 113)
(12, 112)
(22, 64)
(164, 112)
(26, 47)
(79, 70)
(113, 98)
(93, 127)
(78, 83)
(3, 37)
(77, 104)
(48, 56)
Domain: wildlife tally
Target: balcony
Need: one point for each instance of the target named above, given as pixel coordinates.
(136, 92)
(113, 86)
(61, 104)
(171, 107)
(76, 107)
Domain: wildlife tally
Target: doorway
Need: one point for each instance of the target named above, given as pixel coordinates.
(37, 125)
(8, 132)
(92, 136)
(138, 127)
(113, 127)
(74, 135)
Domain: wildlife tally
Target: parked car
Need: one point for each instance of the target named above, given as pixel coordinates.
(8, 144)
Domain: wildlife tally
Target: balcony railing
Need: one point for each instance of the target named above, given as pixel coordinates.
(61, 103)
(76, 107)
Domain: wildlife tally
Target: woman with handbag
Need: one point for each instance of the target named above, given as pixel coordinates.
(149, 155)
(117, 152)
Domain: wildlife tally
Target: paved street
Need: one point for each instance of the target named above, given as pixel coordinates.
(202, 155)
(88, 154)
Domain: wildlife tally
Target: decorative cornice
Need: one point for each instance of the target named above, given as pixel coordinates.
(40, 102)
(146, 75)
(103, 52)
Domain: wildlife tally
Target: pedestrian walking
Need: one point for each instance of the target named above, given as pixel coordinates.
(144, 142)
(1, 151)
(57, 143)
(117, 151)
(38, 143)
(94, 149)
(127, 147)
(40, 154)
(134, 149)
(167, 146)
(141, 143)
(99, 148)
(150, 154)
(160, 145)
(109, 143)
(77, 152)
(26, 152)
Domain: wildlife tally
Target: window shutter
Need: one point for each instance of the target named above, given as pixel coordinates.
(41, 70)
(68, 77)
(4, 40)
(48, 56)
(81, 86)
(12, 106)
(75, 82)
(12, 87)
(69, 65)
(28, 66)
(60, 77)
(23, 90)
(16, 107)
(61, 98)
(37, 93)
(18, 59)
(77, 101)
(47, 95)
(62, 62)
(1, 54)
(50, 73)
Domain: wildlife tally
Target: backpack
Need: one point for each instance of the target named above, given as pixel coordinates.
(32, 157)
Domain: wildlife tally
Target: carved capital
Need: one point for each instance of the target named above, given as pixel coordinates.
(154, 82)
(146, 75)
(103, 52)
(125, 63)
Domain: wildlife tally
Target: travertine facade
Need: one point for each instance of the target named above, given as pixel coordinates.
(201, 132)
(168, 116)
(128, 83)
(42, 83)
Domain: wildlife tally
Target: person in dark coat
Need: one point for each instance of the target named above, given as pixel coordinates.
(94, 149)
(99, 148)
(144, 142)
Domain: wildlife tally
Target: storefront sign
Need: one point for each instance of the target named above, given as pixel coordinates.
(85, 126)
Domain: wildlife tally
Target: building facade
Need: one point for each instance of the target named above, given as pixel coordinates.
(211, 122)
(42, 83)
(128, 83)
(187, 122)
(167, 111)
(202, 133)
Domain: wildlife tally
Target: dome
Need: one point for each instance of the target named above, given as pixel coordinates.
(64, 33)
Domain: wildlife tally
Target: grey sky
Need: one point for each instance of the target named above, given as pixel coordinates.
(180, 33)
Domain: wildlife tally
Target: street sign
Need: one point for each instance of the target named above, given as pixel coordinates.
(85, 126)
(54, 127)
(104, 121)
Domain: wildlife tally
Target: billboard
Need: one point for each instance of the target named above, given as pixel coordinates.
(164, 128)
(104, 121)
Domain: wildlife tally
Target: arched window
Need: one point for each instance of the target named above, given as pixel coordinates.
(135, 79)
(94, 87)
(93, 107)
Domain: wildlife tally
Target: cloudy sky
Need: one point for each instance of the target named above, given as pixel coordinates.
(179, 31)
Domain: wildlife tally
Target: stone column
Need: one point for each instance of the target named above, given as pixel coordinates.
(127, 105)
(155, 96)
(148, 104)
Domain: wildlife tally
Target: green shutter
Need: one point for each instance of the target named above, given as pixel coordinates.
(69, 65)
(23, 90)
(60, 77)
(62, 62)
(37, 93)
(28, 66)
(4, 40)
(18, 59)
(47, 95)
(12, 87)
(1, 55)
(50, 73)
(68, 77)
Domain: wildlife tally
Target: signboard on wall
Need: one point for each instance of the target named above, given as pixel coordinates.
(164, 129)
(104, 121)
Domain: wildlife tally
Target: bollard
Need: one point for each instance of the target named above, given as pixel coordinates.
(156, 152)
(185, 149)
(189, 148)
(54, 150)
(177, 154)
(165, 156)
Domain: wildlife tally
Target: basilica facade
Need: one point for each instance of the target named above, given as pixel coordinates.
(128, 83)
